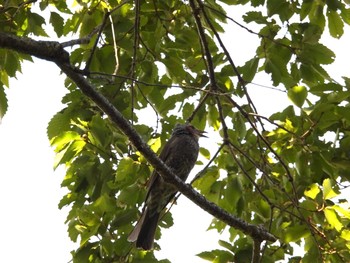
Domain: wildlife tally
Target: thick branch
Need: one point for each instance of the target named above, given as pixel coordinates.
(48, 50)
(57, 53)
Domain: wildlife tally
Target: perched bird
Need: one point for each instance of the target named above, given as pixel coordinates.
(179, 154)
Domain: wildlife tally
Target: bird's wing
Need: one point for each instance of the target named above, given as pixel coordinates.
(163, 156)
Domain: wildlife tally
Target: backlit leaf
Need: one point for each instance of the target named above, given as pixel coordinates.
(312, 191)
(328, 192)
(297, 95)
(332, 219)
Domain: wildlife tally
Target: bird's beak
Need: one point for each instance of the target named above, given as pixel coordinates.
(201, 133)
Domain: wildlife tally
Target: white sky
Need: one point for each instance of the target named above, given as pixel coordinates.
(32, 226)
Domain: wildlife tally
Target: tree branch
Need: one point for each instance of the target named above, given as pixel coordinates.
(48, 50)
(57, 54)
(256, 251)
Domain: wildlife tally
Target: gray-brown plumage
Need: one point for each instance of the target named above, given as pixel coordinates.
(180, 154)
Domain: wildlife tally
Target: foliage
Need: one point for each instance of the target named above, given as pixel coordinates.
(165, 59)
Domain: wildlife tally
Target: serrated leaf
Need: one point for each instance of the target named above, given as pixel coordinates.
(57, 22)
(69, 151)
(65, 137)
(254, 16)
(226, 245)
(58, 124)
(35, 24)
(3, 102)
(4, 78)
(11, 63)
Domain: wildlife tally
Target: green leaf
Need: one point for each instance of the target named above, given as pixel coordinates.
(35, 24)
(205, 183)
(101, 135)
(3, 102)
(104, 204)
(306, 6)
(58, 124)
(321, 88)
(297, 95)
(254, 16)
(226, 245)
(66, 155)
(11, 64)
(316, 15)
(295, 233)
(280, 7)
(312, 34)
(340, 210)
(204, 152)
(345, 234)
(335, 24)
(207, 255)
(312, 191)
(4, 78)
(249, 69)
(213, 117)
(127, 170)
(316, 54)
(345, 14)
(332, 219)
(64, 138)
(328, 192)
(217, 256)
(57, 22)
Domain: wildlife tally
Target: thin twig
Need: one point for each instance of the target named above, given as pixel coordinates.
(114, 46)
(83, 40)
(204, 44)
(292, 49)
(256, 251)
(134, 57)
(202, 172)
(101, 27)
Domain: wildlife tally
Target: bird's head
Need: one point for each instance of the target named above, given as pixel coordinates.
(188, 129)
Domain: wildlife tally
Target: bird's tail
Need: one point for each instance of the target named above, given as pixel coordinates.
(144, 231)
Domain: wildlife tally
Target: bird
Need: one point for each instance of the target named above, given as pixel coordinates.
(180, 154)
